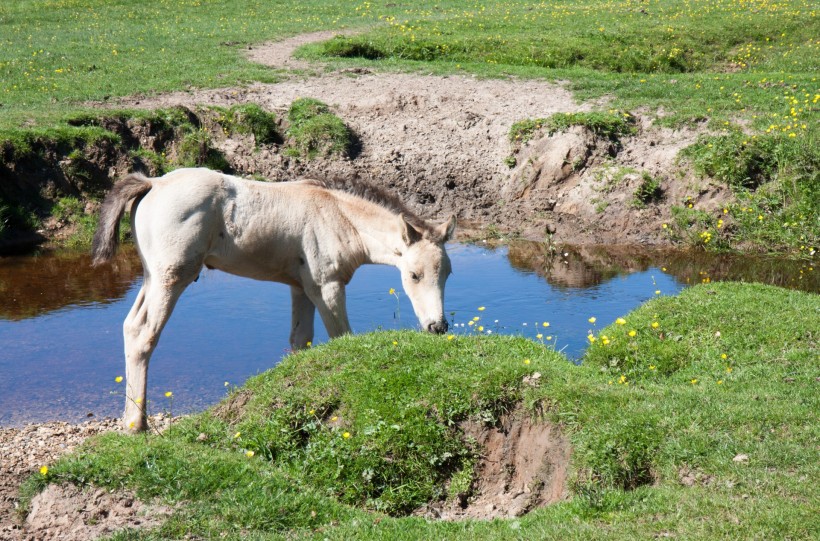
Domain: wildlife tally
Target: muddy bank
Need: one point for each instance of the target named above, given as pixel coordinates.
(441, 142)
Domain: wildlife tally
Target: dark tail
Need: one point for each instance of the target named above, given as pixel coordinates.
(107, 236)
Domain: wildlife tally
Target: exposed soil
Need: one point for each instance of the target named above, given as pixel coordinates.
(522, 466)
(62, 512)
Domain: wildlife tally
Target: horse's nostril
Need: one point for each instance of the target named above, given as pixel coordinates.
(437, 328)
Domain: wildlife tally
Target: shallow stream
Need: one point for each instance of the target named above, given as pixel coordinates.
(61, 320)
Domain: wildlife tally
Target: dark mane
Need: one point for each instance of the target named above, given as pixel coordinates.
(374, 194)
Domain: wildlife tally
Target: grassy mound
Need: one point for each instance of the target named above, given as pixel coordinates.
(694, 407)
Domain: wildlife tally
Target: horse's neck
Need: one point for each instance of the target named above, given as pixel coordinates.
(380, 233)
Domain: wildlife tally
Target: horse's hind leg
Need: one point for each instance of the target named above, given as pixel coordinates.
(303, 314)
(141, 331)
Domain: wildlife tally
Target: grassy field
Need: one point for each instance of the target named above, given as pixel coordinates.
(693, 416)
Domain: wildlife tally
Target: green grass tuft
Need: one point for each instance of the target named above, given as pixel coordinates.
(197, 150)
(611, 125)
(315, 131)
(250, 119)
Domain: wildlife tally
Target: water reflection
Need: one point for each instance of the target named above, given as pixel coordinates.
(585, 266)
(34, 285)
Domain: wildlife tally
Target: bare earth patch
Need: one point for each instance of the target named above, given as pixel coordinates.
(522, 466)
(62, 512)
(69, 513)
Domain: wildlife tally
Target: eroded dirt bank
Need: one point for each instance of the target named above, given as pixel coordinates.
(441, 142)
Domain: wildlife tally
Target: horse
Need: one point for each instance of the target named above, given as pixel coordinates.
(309, 234)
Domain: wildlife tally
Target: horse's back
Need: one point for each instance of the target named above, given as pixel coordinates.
(240, 226)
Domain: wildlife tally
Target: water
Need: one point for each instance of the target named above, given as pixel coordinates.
(61, 321)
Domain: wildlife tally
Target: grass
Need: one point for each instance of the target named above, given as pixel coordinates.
(348, 437)
(648, 191)
(249, 119)
(315, 131)
(611, 125)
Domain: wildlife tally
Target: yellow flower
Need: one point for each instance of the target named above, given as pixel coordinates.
(334, 418)
(664, 226)
(652, 367)
(480, 328)
(592, 320)
(657, 292)
(235, 436)
(622, 379)
(545, 324)
(450, 336)
(720, 382)
(591, 338)
(655, 325)
(44, 470)
(392, 291)
(694, 381)
(632, 333)
(539, 336)
(620, 321)
(476, 318)
(169, 394)
(312, 412)
(118, 379)
(480, 308)
(723, 356)
(728, 369)
(395, 343)
(249, 453)
(346, 435)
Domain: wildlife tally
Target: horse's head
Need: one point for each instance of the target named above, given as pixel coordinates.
(424, 267)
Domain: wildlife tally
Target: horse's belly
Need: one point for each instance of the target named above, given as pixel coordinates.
(258, 268)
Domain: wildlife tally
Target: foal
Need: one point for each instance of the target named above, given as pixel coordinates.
(311, 235)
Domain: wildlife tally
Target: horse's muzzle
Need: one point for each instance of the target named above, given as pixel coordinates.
(439, 327)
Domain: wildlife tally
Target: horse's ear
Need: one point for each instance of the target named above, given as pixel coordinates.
(445, 231)
(409, 232)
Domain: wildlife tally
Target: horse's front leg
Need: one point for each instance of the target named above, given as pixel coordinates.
(303, 313)
(332, 305)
